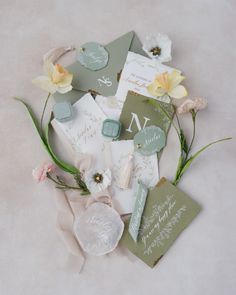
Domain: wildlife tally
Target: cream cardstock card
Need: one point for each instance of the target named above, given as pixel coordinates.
(138, 72)
(83, 132)
(145, 169)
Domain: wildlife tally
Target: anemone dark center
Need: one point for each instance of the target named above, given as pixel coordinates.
(156, 51)
(98, 178)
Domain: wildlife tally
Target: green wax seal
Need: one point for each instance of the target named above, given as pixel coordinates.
(92, 56)
(149, 140)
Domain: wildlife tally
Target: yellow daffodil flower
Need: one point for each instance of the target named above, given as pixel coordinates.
(168, 84)
(57, 79)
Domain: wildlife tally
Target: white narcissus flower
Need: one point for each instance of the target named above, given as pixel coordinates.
(98, 181)
(195, 104)
(56, 79)
(158, 46)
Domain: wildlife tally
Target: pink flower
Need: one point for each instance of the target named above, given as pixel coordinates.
(200, 103)
(195, 104)
(40, 173)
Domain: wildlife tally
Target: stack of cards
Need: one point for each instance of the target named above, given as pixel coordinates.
(110, 84)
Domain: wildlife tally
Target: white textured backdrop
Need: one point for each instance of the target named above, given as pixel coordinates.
(32, 257)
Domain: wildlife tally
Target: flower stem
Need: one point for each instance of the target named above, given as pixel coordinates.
(165, 112)
(44, 108)
(193, 113)
(62, 185)
(193, 157)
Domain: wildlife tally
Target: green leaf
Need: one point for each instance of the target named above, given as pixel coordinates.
(184, 145)
(45, 141)
(63, 165)
(193, 157)
(35, 123)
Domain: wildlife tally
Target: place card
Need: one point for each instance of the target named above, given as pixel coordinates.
(149, 140)
(168, 211)
(140, 200)
(138, 114)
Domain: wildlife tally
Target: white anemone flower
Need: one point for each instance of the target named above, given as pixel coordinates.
(158, 47)
(98, 180)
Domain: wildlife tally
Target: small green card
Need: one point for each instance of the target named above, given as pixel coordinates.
(149, 140)
(136, 217)
(168, 211)
(137, 114)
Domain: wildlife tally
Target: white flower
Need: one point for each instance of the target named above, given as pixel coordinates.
(158, 47)
(98, 181)
(56, 79)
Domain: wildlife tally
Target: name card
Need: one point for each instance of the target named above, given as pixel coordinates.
(168, 211)
(150, 140)
(136, 217)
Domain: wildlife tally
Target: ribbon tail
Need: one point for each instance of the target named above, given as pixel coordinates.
(65, 221)
(54, 54)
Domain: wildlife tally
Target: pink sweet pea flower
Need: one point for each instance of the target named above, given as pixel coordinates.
(40, 173)
(195, 104)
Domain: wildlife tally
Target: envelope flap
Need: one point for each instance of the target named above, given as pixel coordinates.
(136, 46)
(104, 81)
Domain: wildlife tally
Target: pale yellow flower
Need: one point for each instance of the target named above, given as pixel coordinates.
(57, 79)
(168, 84)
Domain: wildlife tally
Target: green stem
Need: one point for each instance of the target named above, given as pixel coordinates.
(165, 112)
(194, 132)
(44, 108)
(177, 120)
(193, 157)
(62, 185)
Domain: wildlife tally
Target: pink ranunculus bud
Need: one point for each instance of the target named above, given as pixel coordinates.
(40, 173)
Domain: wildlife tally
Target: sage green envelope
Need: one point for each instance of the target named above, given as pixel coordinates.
(168, 211)
(138, 114)
(104, 81)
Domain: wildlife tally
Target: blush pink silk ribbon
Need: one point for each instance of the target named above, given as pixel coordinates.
(71, 204)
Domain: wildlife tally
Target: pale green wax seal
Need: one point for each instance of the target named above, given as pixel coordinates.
(92, 56)
(150, 140)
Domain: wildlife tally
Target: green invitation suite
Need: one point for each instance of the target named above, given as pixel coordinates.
(168, 211)
(103, 81)
(137, 114)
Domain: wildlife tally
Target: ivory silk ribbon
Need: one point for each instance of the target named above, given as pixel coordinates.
(72, 204)
(54, 54)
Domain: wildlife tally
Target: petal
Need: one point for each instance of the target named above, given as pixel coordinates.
(175, 79)
(178, 92)
(162, 80)
(164, 57)
(45, 83)
(48, 68)
(155, 91)
(64, 89)
(58, 73)
(65, 81)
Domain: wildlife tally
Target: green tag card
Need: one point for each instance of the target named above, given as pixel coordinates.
(168, 211)
(135, 220)
(149, 140)
(137, 114)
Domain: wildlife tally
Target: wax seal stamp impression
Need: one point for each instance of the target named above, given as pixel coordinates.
(92, 56)
(98, 229)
